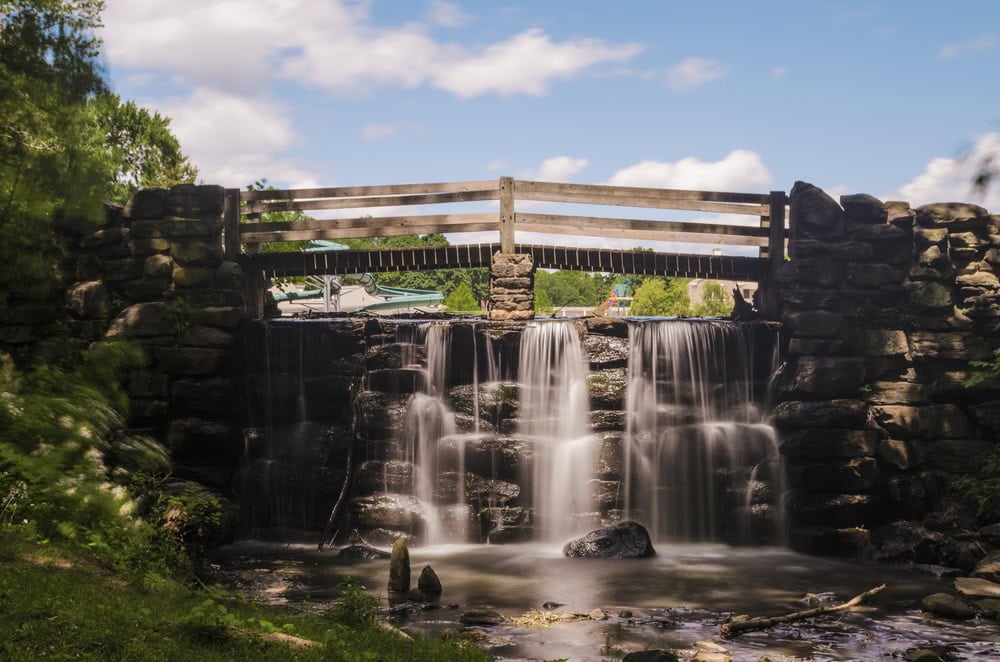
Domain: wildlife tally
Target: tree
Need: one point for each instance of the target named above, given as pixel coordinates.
(543, 304)
(143, 150)
(54, 167)
(657, 298)
(715, 301)
(461, 300)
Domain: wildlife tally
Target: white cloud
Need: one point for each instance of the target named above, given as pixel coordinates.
(234, 140)
(525, 64)
(558, 169)
(335, 46)
(377, 131)
(447, 14)
(950, 179)
(740, 170)
(980, 44)
(694, 72)
(778, 73)
(498, 165)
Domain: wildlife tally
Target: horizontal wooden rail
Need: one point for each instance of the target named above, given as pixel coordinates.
(256, 208)
(624, 228)
(363, 191)
(384, 226)
(623, 196)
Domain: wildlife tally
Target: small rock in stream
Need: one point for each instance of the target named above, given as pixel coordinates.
(399, 567)
(481, 617)
(428, 582)
(625, 540)
(947, 605)
(598, 615)
(654, 655)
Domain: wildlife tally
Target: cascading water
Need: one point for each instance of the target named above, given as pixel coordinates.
(554, 417)
(702, 464)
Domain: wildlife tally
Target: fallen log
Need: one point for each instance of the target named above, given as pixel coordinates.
(743, 623)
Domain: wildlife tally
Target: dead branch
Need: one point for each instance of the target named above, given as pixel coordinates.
(743, 623)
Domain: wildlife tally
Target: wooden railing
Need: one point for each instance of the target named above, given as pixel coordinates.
(244, 210)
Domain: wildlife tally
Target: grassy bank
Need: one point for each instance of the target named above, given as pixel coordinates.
(60, 604)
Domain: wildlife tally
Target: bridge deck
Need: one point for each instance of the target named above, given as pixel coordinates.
(727, 267)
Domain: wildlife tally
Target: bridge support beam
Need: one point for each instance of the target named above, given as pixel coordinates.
(512, 287)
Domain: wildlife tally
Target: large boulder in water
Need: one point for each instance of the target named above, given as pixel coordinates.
(625, 540)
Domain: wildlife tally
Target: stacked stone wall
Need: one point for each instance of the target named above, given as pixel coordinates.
(155, 274)
(512, 287)
(885, 309)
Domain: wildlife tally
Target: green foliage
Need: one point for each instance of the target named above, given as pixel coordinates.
(354, 607)
(279, 217)
(543, 303)
(656, 298)
(143, 150)
(573, 288)
(461, 300)
(981, 489)
(715, 302)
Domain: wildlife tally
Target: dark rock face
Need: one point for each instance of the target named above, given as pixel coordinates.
(626, 540)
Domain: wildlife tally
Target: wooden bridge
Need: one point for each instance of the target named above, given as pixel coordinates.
(247, 228)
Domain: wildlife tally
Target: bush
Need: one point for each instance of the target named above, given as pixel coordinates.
(981, 489)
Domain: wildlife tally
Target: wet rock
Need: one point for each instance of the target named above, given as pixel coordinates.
(486, 492)
(388, 476)
(605, 351)
(428, 581)
(929, 654)
(607, 388)
(947, 605)
(991, 533)
(830, 541)
(822, 414)
(388, 511)
(607, 326)
(627, 540)
(990, 606)
(814, 444)
(651, 655)
(399, 567)
(835, 510)
(597, 615)
(855, 475)
(363, 552)
(607, 421)
(506, 525)
(380, 415)
(964, 554)
(974, 587)
(481, 617)
(906, 541)
(822, 377)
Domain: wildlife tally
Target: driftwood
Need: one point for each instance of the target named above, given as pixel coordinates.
(328, 534)
(743, 623)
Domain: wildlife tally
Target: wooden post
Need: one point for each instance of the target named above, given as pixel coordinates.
(776, 240)
(506, 214)
(231, 223)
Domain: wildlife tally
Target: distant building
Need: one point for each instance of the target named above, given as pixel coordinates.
(696, 289)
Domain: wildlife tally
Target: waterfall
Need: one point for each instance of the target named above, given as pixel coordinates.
(702, 464)
(554, 417)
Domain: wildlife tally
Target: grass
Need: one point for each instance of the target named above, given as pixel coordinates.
(59, 604)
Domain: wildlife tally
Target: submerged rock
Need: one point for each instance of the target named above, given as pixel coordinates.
(481, 617)
(362, 552)
(626, 540)
(654, 655)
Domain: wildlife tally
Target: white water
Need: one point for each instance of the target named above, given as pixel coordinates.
(697, 448)
(554, 416)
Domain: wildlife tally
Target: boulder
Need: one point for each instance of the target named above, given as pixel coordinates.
(828, 443)
(954, 216)
(389, 511)
(813, 212)
(428, 581)
(947, 605)
(823, 377)
(399, 567)
(855, 475)
(89, 300)
(507, 524)
(827, 413)
(481, 617)
(906, 541)
(863, 208)
(626, 540)
(605, 351)
(975, 587)
(607, 388)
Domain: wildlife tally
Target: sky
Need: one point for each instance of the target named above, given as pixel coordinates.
(899, 99)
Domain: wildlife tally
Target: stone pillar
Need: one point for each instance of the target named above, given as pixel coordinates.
(156, 276)
(512, 287)
(884, 308)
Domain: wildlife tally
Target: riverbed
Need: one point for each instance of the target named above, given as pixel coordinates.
(676, 600)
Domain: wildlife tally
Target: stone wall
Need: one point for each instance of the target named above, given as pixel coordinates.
(155, 275)
(884, 308)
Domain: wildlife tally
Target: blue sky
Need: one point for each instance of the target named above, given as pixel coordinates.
(876, 97)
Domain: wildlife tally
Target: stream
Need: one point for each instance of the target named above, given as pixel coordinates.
(674, 601)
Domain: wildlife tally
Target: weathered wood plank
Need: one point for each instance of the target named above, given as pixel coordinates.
(231, 223)
(507, 219)
(647, 202)
(358, 191)
(704, 233)
(526, 188)
(358, 233)
(254, 208)
(372, 224)
(776, 241)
